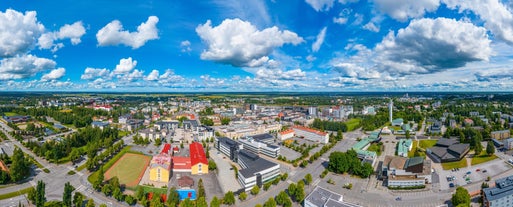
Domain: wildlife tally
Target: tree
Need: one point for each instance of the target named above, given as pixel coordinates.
(107, 189)
(478, 148)
(229, 198)
(78, 199)
(281, 197)
(187, 203)
(118, 195)
(103, 205)
(74, 155)
(139, 193)
(292, 189)
(225, 121)
(212, 165)
(460, 197)
(201, 202)
(267, 186)
(31, 195)
(215, 202)
(255, 190)
(97, 184)
(201, 188)
(20, 166)
(284, 176)
(243, 196)
(308, 179)
(490, 149)
(90, 203)
(130, 200)
(40, 194)
(66, 197)
(270, 202)
(173, 198)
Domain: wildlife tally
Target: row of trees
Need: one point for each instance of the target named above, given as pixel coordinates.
(95, 160)
(329, 125)
(341, 162)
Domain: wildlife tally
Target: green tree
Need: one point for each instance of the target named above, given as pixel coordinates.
(270, 202)
(107, 189)
(243, 196)
(66, 197)
(78, 199)
(20, 166)
(130, 200)
(201, 188)
(292, 189)
(255, 190)
(225, 121)
(299, 195)
(284, 176)
(281, 197)
(215, 202)
(478, 148)
(103, 205)
(229, 198)
(97, 184)
(308, 179)
(40, 194)
(201, 202)
(490, 149)
(31, 195)
(460, 197)
(90, 203)
(118, 195)
(212, 165)
(74, 155)
(173, 198)
(187, 203)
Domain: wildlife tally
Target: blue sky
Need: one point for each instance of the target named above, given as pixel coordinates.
(256, 45)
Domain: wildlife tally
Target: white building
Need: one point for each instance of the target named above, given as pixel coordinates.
(405, 181)
(259, 147)
(311, 134)
(508, 143)
(287, 134)
(255, 170)
(501, 195)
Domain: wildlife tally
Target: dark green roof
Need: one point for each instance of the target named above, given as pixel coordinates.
(413, 161)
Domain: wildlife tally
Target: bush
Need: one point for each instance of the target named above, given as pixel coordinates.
(71, 172)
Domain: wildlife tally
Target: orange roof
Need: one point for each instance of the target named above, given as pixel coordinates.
(197, 153)
(3, 167)
(288, 131)
(166, 149)
(309, 130)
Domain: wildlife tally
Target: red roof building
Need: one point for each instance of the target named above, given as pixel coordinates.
(166, 149)
(197, 154)
(181, 164)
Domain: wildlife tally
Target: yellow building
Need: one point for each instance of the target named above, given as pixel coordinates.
(199, 162)
(160, 167)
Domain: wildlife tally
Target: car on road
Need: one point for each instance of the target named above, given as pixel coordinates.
(485, 171)
(398, 199)
(477, 170)
(468, 173)
(451, 185)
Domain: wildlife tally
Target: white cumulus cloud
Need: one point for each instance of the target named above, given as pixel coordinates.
(54, 74)
(186, 46)
(320, 39)
(114, 34)
(497, 17)
(320, 5)
(403, 10)
(24, 66)
(154, 75)
(18, 32)
(73, 32)
(94, 73)
(125, 65)
(431, 45)
(240, 43)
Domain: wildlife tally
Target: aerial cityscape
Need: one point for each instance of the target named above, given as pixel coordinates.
(265, 103)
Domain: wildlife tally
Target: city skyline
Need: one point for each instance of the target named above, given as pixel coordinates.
(273, 45)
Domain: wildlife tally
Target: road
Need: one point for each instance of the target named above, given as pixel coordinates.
(56, 179)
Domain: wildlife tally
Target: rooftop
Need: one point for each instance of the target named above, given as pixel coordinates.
(503, 187)
(309, 130)
(254, 162)
(197, 153)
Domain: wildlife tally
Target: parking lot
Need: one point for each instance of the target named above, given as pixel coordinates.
(225, 173)
(472, 174)
(289, 153)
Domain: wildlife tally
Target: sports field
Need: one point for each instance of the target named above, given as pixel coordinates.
(129, 169)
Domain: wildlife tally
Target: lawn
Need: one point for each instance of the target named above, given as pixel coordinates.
(148, 189)
(122, 133)
(483, 157)
(458, 164)
(427, 143)
(10, 114)
(15, 193)
(375, 148)
(353, 124)
(411, 153)
(129, 169)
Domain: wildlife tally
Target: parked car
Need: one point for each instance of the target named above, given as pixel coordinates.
(477, 170)
(485, 171)
(468, 173)
(451, 185)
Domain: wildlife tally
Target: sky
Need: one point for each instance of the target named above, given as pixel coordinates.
(256, 45)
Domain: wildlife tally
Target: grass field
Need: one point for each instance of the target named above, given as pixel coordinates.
(148, 189)
(411, 153)
(129, 169)
(353, 124)
(427, 143)
(14, 194)
(10, 114)
(375, 148)
(483, 157)
(107, 165)
(458, 164)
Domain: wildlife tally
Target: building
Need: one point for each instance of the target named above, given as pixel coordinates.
(397, 122)
(287, 134)
(264, 138)
(169, 125)
(403, 147)
(312, 111)
(322, 197)
(99, 124)
(361, 148)
(182, 164)
(406, 172)
(501, 195)
(151, 134)
(133, 124)
(436, 127)
(258, 147)
(311, 134)
(448, 150)
(390, 111)
(508, 143)
(255, 170)
(504, 134)
(185, 182)
(199, 162)
(228, 147)
(160, 168)
(16, 119)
